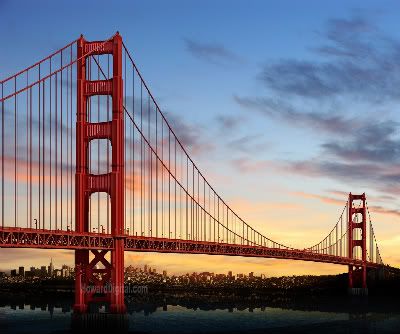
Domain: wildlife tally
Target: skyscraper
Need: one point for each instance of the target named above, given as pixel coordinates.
(50, 268)
(21, 271)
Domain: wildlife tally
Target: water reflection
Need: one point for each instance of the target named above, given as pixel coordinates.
(189, 313)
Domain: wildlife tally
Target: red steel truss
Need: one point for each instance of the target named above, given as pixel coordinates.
(31, 238)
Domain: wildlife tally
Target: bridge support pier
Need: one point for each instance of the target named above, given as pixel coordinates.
(81, 262)
(357, 238)
(358, 281)
(117, 260)
(100, 273)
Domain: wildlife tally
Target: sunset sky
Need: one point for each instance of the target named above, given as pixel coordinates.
(288, 106)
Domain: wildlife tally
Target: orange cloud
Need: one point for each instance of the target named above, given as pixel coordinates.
(331, 200)
(325, 199)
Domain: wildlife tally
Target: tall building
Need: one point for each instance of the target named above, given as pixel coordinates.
(21, 271)
(43, 271)
(34, 272)
(145, 268)
(50, 268)
(13, 272)
(65, 271)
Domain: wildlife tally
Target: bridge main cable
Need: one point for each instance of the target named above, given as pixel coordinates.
(264, 240)
(257, 239)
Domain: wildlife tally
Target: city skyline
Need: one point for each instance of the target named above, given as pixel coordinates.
(283, 155)
(41, 270)
(49, 271)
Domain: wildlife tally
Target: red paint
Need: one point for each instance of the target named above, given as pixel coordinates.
(362, 230)
(111, 183)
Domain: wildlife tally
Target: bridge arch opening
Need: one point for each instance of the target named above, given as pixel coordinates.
(99, 67)
(99, 108)
(100, 213)
(357, 217)
(357, 234)
(100, 156)
(357, 252)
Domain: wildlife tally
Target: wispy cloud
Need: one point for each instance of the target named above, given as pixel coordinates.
(278, 109)
(372, 174)
(228, 122)
(342, 201)
(325, 199)
(356, 63)
(385, 211)
(213, 53)
(359, 61)
(251, 166)
(376, 142)
(248, 144)
(191, 136)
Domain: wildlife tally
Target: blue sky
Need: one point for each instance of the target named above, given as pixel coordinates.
(286, 103)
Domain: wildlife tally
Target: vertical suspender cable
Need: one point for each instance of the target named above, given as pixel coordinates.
(43, 153)
(51, 146)
(67, 140)
(156, 234)
(15, 154)
(98, 153)
(2, 155)
(70, 139)
(108, 145)
(30, 157)
(56, 148)
(125, 133)
(27, 152)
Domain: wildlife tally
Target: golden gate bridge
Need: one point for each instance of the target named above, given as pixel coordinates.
(90, 163)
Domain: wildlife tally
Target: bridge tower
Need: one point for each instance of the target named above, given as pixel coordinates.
(109, 280)
(357, 274)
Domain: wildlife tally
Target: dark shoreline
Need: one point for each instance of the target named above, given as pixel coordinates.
(217, 299)
(330, 285)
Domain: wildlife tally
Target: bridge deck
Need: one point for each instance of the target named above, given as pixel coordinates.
(60, 239)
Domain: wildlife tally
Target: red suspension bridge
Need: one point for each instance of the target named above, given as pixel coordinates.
(90, 163)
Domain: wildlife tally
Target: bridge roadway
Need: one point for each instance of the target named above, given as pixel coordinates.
(60, 239)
